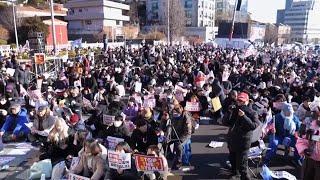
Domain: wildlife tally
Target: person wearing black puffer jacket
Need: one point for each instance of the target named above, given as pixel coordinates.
(242, 122)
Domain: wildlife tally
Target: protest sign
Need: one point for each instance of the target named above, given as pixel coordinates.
(107, 119)
(39, 58)
(137, 87)
(193, 106)
(216, 104)
(151, 103)
(113, 141)
(149, 163)
(5, 160)
(76, 177)
(10, 71)
(225, 75)
(75, 161)
(119, 160)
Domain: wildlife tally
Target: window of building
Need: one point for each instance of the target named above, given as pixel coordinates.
(155, 15)
(201, 23)
(188, 4)
(188, 23)
(117, 22)
(155, 6)
(188, 14)
(88, 22)
(80, 10)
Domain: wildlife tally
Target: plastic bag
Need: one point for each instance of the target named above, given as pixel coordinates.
(41, 167)
(58, 171)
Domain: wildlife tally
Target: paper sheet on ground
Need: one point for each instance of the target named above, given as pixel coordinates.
(215, 144)
(5, 160)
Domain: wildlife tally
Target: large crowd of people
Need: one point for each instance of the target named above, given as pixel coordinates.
(156, 96)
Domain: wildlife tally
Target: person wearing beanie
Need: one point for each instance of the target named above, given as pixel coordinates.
(75, 123)
(42, 124)
(287, 126)
(14, 127)
(242, 122)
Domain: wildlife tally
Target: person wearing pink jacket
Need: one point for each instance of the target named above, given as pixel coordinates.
(309, 147)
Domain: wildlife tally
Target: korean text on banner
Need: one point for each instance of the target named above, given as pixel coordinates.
(113, 141)
(149, 163)
(216, 104)
(107, 119)
(193, 106)
(151, 103)
(76, 177)
(119, 160)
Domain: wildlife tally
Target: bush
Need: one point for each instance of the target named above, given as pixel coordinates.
(3, 42)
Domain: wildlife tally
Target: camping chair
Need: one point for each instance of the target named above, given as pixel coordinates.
(255, 156)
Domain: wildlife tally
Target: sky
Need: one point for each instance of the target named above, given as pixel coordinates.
(265, 10)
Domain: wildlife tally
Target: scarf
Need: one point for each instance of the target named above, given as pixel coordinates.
(289, 124)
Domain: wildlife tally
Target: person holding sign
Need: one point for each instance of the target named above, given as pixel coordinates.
(123, 174)
(118, 129)
(91, 164)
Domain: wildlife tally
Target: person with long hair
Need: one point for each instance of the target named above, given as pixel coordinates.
(58, 142)
(92, 163)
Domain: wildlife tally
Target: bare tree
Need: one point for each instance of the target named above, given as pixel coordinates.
(176, 19)
(6, 18)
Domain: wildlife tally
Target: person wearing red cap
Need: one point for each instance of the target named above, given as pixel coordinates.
(76, 123)
(243, 120)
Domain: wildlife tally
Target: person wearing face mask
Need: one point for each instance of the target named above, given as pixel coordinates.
(118, 129)
(42, 124)
(142, 137)
(4, 106)
(287, 126)
(128, 174)
(14, 128)
(89, 82)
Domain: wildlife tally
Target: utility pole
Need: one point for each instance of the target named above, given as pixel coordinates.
(233, 19)
(53, 28)
(15, 24)
(168, 23)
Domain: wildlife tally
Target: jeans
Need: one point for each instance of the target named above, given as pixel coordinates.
(178, 152)
(273, 146)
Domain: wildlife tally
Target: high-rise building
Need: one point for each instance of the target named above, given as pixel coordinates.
(87, 18)
(199, 16)
(303, 16)
(225, 8)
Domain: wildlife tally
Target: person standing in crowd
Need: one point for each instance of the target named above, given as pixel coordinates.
(14, 127)
(42, 124)
(22, 76)
(241, 124)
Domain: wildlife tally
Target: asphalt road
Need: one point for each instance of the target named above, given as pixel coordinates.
(209, 163)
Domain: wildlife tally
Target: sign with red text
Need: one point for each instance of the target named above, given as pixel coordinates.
(119, 160)
(151, 103)
(149, 163)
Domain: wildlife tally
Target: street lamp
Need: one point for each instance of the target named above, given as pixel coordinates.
(168, 22)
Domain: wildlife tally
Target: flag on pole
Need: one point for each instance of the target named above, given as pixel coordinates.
(77, 43)
(239, 5)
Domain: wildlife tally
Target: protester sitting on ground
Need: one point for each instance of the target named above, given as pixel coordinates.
(118, 129)
(142, 137)
(58, 142)
(43, 123)
(154, 151)
(118, 174)
(91, 164)
(14, 127)
(287, 126)
(4, 107)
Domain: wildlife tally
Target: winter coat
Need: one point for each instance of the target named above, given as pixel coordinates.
(279, 125)
(241, 128)
(47, 124)
(16, 123)
(22, 76)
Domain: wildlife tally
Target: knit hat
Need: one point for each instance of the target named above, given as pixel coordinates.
(74, 118)
(243, 97)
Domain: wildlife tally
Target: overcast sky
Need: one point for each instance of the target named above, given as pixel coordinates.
(265, 10)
